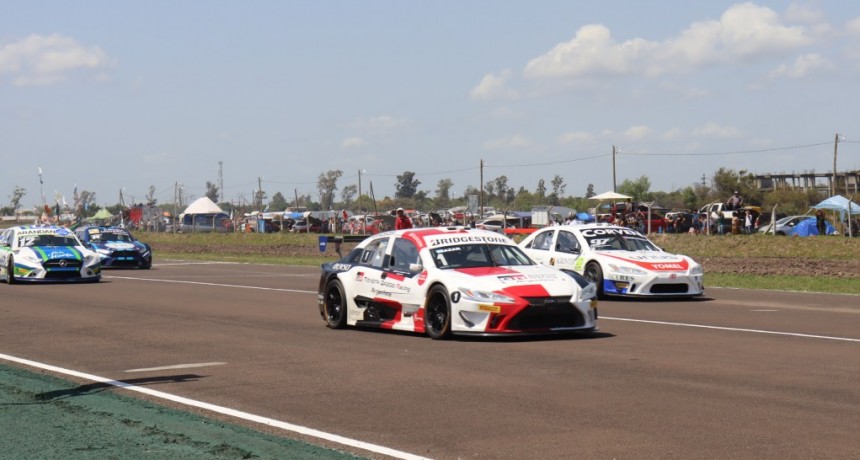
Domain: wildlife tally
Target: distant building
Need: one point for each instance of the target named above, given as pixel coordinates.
(809, 180)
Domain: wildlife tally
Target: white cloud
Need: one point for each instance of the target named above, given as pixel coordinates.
(636, 132)
(351, 142)
(494, 87)
(671, 134)
(802, 67)
(744, 32)
(714, 130)
(575, 136)
(378, 123)
(46, 60)
(508, 143)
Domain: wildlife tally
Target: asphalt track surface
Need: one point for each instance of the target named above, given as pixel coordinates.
(736, 374)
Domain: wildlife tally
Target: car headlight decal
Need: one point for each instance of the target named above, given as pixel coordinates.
(697, 270)
(485, 297)
(624, 270)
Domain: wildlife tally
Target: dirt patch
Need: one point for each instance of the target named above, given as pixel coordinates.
(781, 266)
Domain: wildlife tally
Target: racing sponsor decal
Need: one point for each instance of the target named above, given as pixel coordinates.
(519, 278)
(490, 308)
(670, 265)
(118, 246)
(422, 278)
(384, 286)
(57, 253)
(595, 232)
(341, 267)
(445, 240)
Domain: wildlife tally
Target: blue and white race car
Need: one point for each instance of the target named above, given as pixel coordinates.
(116, 246)
(46, 254)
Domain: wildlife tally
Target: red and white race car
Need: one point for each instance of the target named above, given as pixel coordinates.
(443, 281)
(619, 260)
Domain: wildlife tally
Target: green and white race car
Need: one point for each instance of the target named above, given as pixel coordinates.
(36, 253)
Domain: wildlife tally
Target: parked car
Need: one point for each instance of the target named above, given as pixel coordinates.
(784, 226)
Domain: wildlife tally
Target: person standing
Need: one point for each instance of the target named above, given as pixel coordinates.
(748, 221)
(820, 223)
(402, 220)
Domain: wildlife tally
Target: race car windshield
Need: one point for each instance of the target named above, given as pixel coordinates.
(47, 240)
(479, 255)
(621, 243)
(113, 237)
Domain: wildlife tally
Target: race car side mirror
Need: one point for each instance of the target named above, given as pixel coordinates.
(415, 267)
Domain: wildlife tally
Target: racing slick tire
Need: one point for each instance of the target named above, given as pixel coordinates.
(335, 305)
(437, 313)
(594, 273)
(10, 271)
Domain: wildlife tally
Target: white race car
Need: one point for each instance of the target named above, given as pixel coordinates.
(619, 260)
(443, 281)
(46, 254)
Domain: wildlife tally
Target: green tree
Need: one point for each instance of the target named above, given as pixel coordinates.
(727, 181)
(406, 185)
(88, 201)
(541, 190)
(150, 196)
(558, 186)
(212, 191)
(15, 198)
(347, 194)
(589, 191)
(327, 185)
(638, 188)
(278, 203)
(443, 192)
(501, 184)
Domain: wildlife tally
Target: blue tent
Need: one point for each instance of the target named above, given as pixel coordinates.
(584, 216)
(808, 227)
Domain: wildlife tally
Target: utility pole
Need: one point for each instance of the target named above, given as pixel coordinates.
(260, 191)
(363, 218)
(833, 182)
(613, 168)
(481, 186)
(221, 180)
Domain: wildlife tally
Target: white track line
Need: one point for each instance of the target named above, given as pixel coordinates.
(300, 291)
(176, 366)
(223, 410)
(735, 329)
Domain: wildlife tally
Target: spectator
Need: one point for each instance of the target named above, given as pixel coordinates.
(748, 223)
(820, 223)
(402, 220)
(734, 202)
(736, 224)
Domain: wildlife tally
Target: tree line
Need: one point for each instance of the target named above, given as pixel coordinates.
(498, 193)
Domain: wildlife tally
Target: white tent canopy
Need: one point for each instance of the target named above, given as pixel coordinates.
(203, 205)
(610, 196)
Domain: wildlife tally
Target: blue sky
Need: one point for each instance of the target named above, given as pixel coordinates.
(127, 95)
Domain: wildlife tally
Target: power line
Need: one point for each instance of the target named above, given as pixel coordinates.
(736, 152)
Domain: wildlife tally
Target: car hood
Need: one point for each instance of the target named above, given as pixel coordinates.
(522, 281)
(44, 253)
(649, 260)
(117, 245)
